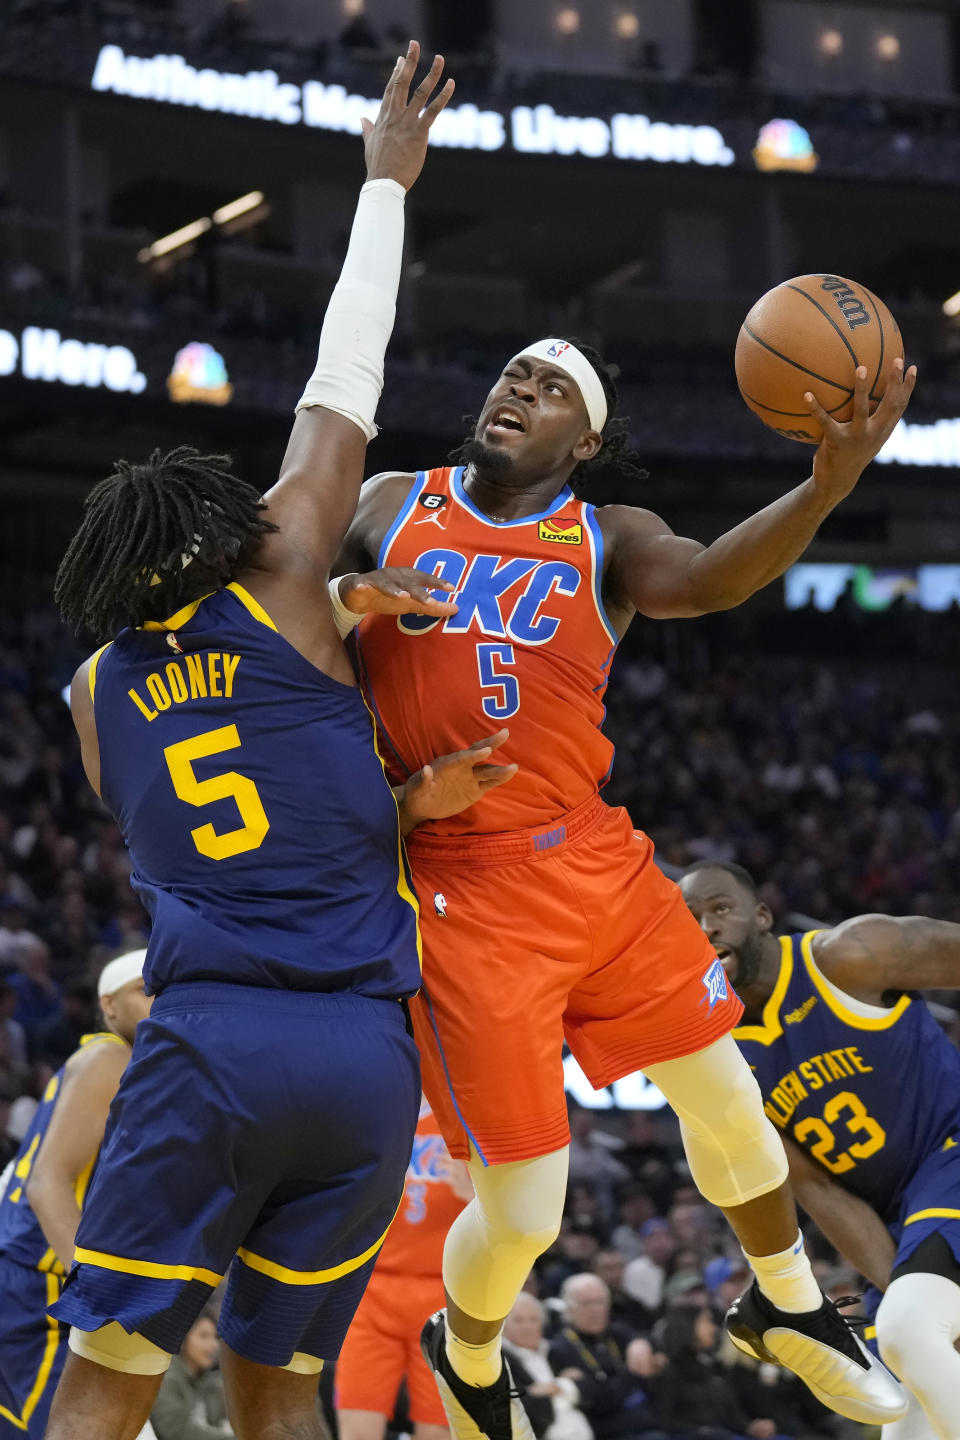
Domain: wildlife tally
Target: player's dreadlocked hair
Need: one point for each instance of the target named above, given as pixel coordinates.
(155, 536)
(616, 455)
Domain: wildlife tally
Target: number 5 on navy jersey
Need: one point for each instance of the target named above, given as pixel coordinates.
(505, 700)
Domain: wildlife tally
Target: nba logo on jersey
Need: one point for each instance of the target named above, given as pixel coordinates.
(440, 905)
(559, 349)
(715, 984)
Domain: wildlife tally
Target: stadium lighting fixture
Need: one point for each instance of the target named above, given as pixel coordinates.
(952, 306)
(236, 208)
(831, 42)
(888, 47)
(567, 21)
(233, 210)
(627, 25)
(175, 239)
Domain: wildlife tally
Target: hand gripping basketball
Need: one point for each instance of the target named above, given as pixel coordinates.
(848, 447)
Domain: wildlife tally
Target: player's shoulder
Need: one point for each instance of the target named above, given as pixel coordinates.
(97, 1062)
(385, 485)
(630, 522)
(83, 684)
(842, 951)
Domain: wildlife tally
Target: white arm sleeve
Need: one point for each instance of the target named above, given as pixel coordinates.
(359, 319)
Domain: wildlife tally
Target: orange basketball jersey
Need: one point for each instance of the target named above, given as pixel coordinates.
(529, 648)
(414, 1243)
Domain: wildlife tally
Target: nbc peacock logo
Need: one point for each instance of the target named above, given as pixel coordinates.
(785, 145)
(199, 376)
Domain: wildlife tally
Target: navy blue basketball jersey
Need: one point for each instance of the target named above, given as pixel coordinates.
(870, 1094)
(264, 835)
(21, 1238)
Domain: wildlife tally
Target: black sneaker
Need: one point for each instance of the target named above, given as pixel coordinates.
(820, 1347)
(473, 1411)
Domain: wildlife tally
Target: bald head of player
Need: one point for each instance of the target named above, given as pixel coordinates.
(724, 899)
(550, 412)
(120, 991)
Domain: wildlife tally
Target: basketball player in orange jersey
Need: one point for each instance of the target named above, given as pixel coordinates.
(544, 916)
(383, 1343)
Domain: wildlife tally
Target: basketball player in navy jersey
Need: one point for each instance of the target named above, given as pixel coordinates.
(40, 1206)
(264, 1124)
(855, 1072)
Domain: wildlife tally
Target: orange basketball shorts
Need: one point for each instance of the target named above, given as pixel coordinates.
(530, 937)
(383, 1347)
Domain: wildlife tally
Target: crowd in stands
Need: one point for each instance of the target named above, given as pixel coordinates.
(838, 784)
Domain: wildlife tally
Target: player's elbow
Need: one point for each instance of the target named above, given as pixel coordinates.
(42, 1188)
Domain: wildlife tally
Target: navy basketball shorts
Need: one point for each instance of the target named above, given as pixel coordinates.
(33, 1348)
(256, 1131)
(930, 1204)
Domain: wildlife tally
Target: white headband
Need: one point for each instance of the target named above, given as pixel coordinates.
(572, 362)
(117, 973)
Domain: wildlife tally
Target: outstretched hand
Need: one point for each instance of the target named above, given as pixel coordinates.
(396, 145)
(396, 590)
(848, 447)
(453, 782)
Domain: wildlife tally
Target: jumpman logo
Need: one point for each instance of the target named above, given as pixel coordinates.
(432, 519)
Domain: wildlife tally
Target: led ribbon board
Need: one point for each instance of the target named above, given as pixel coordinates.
(539, 130)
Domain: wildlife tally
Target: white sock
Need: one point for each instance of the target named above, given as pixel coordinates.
(475, 1364)
(786, 1278)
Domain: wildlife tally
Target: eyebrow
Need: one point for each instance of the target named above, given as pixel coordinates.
(549, 374)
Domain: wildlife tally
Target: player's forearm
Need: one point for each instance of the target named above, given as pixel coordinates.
(852, 1226)
(55, 1206)
(348, 377)
(761, 548)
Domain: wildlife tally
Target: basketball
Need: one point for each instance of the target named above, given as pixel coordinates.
(811, 333)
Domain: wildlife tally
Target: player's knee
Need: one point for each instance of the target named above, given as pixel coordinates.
(918, 1314)
(115, 1349)
(521, 1204)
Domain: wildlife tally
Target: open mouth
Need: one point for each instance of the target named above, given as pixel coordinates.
(507, 421)
(724, 955)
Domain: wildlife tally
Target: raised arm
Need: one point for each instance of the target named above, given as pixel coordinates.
(664, 576)
(872, 954)
(849, 1223)
(316, 495)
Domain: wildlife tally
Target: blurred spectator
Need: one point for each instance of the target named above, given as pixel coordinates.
(636, 1207)
(9, 1144)
(644, 1153)
(551, 1401)
(15, 938)
(574, 1250)
(769, 1391)
(592, 1159)
(38, 994)
(725, 1279)
(611, 1374)
(644, 1277)
(359, 34)
(13, 1039)
(693, 1394)
(57, 1038)
(625, 1309)
(190, 1405)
